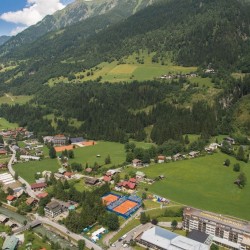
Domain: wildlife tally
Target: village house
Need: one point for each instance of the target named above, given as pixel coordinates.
(68, 175)
(229, 140)
(31, 201)
(30, 157)
(127, 185)
(88, 170)
(61, 170)
(3, 152)
(194, 154)
(137, 163)
(91, 181)
(38, 186)
(3, 219)
(10, 199)
(10, 243)
(177, 157)
(53, 209)
(161, 159)
(42, 195)
(107, 178)
(140, 175)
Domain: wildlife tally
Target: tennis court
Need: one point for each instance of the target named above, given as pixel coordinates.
(125, 207)
(62, 148)
(109, 198)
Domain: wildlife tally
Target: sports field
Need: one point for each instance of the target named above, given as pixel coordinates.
(109, 198)
(125, 207)
(203, 183)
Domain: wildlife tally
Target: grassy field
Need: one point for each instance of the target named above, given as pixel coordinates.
(28, 170)
(131, 69)
(89, 154)
(10, 99)
(203, 183)
(4, 124)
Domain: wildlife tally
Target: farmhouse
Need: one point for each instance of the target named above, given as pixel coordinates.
(161, 158)
(227, 232)
(137, 163)
(140, 175)
(159, 238)
(91, 181)
(53, 209)
(38, 186)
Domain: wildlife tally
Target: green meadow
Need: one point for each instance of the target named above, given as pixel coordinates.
(89, 154)
(203, 183)
(11, 100)
(27, 170)
(4, 124)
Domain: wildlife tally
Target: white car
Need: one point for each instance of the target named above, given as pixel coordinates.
(124, 236)
(125, 245)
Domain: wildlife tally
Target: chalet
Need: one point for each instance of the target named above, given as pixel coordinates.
(38, 186)
(194, 154)
(53, 209)
(140, 175)
(42, 195)
(177, 157)
(91, 181)
(112, 172)
(107, 178)
(161, 159)
(10, 199)
(60, 140)
(126, 185)
(212, 147)
(31, 201)
(137, 163)
(3, 152)
(68, 175)
(88, 170)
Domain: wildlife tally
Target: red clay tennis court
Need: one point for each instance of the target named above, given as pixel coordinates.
(62, 148)
(125, 207)
(109, 198)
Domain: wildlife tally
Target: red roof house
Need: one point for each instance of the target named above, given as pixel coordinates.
(10, 198)
(37, 186)
(133, 180)
(42, 195)
(68, 174)
(107, 178)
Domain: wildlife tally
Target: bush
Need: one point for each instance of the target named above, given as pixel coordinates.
(227, 162)
(236, 167)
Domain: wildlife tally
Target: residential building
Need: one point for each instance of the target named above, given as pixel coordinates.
(137, 163)
(10, 243)
(10, 199)
(53, 209)
(3, 219)
(91, 181)
(140, 175)
(162, 239)
(38, 186)
(227, 232)
(161, 158)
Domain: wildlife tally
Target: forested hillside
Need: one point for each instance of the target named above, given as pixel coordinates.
(197, 33)
(4, 39)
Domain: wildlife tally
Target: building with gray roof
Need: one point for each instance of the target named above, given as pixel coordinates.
(10, 243)
(162, 239)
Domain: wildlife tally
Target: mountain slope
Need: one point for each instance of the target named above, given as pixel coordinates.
(196, 32)
(73, 13)
(4, 39)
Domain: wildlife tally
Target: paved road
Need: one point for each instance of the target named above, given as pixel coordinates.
(65, 231)
(11, 170)
(130, 235)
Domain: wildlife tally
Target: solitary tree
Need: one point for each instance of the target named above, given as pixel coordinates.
(240, 154)
(174, 224)
(242, 179)
(52, 152)
(237, 167)
(107, 160)
(227, 162)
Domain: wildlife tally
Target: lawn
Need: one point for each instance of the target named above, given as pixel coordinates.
(27, 170)
(89, 154)
(4, 124)
(203, 183)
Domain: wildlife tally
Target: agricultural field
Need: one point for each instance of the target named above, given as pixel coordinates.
(89, 154)
(204, 183)
(131, 69)
(4, 124)
(11, 100)
(27, 170)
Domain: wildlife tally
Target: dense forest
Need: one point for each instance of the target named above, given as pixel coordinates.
(117, 112)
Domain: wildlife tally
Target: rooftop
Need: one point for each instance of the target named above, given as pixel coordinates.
(238, 224)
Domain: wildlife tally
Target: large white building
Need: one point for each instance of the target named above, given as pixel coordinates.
(162, 239)
(231, 233)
